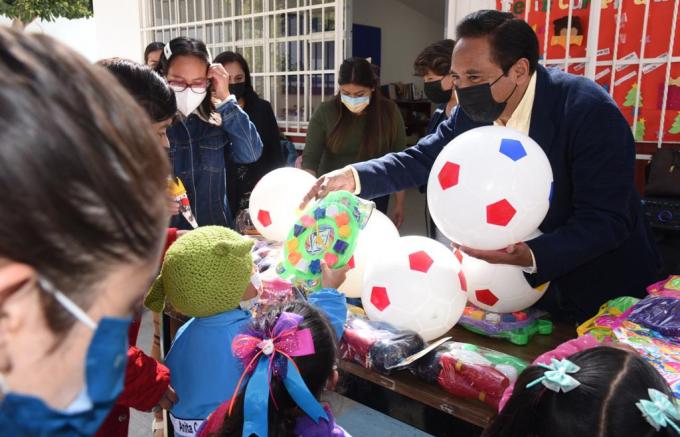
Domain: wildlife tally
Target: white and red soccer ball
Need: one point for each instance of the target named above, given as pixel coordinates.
(415, 284)
(275, 200)
(489, 188)
(499, 288)
(378, 232)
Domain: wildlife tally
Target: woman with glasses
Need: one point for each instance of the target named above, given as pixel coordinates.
(212, 131)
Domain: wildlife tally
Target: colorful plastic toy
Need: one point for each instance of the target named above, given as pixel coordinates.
(602, 325)
(669, 287)
(327, 231)
(518, 327)
(661, 352)
(177, 190)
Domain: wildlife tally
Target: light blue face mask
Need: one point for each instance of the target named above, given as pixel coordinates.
(105, 364)
(355, 104)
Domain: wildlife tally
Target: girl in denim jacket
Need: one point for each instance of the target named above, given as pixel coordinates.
(211, 130)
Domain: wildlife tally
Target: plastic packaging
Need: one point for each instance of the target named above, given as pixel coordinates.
(662, 352)
(518, 327)
(377, 345)
(661, 314)
(244, 225)
(669, 287)
(177, 190)
(470, 371)
(602, 325)
(326, 232)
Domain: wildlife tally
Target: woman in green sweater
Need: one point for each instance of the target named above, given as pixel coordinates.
(356, 125)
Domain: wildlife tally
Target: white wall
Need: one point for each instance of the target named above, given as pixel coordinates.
(78, 34)
(118, 29)
(456, 10)
(405, 32)
(113, 31)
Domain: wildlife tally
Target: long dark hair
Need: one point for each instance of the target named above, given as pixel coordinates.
(612, 381)
(379, 134)
(146, 86)
(315, 370)
(184, 46)
(82, 175)
(152, 47)
(229, 57)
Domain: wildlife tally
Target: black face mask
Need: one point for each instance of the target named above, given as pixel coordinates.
(478, 103)
(237, 89)
(435, 93)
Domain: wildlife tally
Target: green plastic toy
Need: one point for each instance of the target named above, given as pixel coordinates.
(327, 231)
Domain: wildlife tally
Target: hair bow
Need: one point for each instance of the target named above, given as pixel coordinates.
(277, 348)
(659, 411)
(556, 376)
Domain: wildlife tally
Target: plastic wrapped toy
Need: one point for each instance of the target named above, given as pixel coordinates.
(601, 326)
(518, 327)
(661, 314)
(470, 371)
(177, 190)
(378, 345)
(327, 231)
(244, 224)
(661, 352)
(266, 254)
(669, 287)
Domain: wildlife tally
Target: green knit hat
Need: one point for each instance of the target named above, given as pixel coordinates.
(205, 272)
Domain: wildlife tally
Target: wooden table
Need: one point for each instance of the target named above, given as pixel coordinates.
(469, 410)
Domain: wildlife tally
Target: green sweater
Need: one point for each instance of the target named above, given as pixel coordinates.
(318, 157)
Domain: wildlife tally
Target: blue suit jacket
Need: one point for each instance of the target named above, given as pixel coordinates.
(596, 243)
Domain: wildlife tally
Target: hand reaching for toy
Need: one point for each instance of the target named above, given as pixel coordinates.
(337, 180)
(333, 278)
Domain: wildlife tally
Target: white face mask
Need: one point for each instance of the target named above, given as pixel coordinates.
(188, 100)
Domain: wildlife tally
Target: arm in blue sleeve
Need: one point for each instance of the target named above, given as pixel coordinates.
(408, 169)
(334, 306)
(246, 145)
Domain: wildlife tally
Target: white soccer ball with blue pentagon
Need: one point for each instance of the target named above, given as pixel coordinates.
(489, 188)
(414, 284)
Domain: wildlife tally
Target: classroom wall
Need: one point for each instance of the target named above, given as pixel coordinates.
(405, 32)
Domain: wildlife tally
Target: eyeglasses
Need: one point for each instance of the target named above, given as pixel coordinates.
(198, 88)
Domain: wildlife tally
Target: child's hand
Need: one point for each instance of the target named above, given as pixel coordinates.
(173, 206)
(169, 399)
(332, 278)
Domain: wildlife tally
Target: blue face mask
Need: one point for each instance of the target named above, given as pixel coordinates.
(355, 104)
(105, 364)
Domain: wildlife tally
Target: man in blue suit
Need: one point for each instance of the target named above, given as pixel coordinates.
(595, 243)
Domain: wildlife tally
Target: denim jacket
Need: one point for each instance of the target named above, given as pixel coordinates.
(198, 150)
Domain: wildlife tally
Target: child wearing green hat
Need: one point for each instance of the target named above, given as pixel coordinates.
(206, 275)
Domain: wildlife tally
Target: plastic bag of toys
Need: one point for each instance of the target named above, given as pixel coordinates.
(377, 345)
(470, 371)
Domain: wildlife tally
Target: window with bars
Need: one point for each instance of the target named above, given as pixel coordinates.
(630, 47)
(293, 47)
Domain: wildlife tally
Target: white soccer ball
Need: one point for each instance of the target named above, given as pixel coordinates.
(489, 188)
(414, 284)
(275, 200)
(499, 288)
(371, 242)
